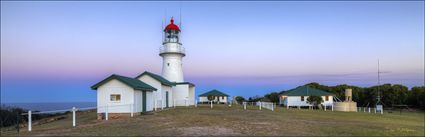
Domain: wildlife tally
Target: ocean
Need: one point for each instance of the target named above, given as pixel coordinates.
(51, 106)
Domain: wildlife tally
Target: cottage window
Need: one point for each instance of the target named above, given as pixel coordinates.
(327, 98)
(302, 98)
(222, 97)
(115, 97)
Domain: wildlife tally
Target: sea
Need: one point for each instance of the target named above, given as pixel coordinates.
(51, 106)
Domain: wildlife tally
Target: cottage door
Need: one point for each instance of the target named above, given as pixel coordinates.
(166, 99)
(144, 101)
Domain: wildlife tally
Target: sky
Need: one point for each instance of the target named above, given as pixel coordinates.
(53, 51)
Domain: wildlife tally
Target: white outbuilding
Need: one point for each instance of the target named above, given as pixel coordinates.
(218, 97)
(119, 95)
(298, 97)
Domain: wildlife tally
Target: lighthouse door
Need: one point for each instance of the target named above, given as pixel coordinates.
(166, 99)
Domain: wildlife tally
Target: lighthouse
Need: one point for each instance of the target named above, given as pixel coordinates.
(149, 91)
(172, 53)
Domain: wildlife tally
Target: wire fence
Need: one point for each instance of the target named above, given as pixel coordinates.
(105, 112)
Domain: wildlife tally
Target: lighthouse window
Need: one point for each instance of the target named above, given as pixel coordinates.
(168, 64)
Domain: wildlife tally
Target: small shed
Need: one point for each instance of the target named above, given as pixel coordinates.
(219, 97)
(298, 97)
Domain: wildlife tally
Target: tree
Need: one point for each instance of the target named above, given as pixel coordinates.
(239, 99)
(210, 97)
(256, 98)
(272, 97)
(416, 97)
(314, 100)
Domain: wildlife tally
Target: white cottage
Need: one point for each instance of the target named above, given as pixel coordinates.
(219, 97)
(298, 97)
(119, 95)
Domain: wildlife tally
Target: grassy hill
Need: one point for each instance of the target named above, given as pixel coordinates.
(223, 120)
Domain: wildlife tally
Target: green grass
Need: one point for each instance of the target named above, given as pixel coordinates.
(222, 120)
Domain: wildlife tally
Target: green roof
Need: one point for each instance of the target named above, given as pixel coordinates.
(157, 77)
(306, 91)
(134, 83)
(213, 93)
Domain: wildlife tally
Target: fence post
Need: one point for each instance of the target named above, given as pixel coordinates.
(325, 107)
(73, 117)
(364, 109)
(287, 106)
(369, 109)
(260, 105)
(211, 104)
(29, 121)
(244, 105)
(332, 107)
(272, 106)
(196, 103)
(375, 110)
(185, 102)
(131, 110)
(382, 110)
(106, 113)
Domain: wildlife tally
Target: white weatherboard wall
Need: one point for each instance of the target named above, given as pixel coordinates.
(192, 95)
(159, 94)
(168, 89)
(115, 87)
(296, 101)
(138, 104)
(181, 94)
(205, 99)
(149, 101)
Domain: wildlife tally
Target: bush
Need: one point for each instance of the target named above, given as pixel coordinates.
(239, 99)
(314, 100)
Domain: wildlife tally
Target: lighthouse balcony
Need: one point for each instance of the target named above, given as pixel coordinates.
(172, 50)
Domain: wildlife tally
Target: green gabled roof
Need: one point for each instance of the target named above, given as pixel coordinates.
(134, 83)
(157, 77)
(213, 93)
(306, 91)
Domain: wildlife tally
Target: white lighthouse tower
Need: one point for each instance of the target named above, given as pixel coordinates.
(172, 53)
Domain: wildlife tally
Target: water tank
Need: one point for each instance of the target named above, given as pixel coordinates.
(348, 94)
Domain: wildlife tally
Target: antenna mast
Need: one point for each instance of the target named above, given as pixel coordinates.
(180, 23)
(379, 83)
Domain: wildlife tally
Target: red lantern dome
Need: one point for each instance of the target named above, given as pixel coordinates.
(172, 26)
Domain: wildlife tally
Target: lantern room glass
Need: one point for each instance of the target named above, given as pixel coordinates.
(171, 36)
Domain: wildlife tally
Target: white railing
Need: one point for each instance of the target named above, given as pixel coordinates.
(370, 110)
(125, 108)
(174, 49)
(267, 105)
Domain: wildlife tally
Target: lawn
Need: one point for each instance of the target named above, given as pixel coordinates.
(224, 120)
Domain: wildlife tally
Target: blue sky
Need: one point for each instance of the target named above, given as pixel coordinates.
(54, 51)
